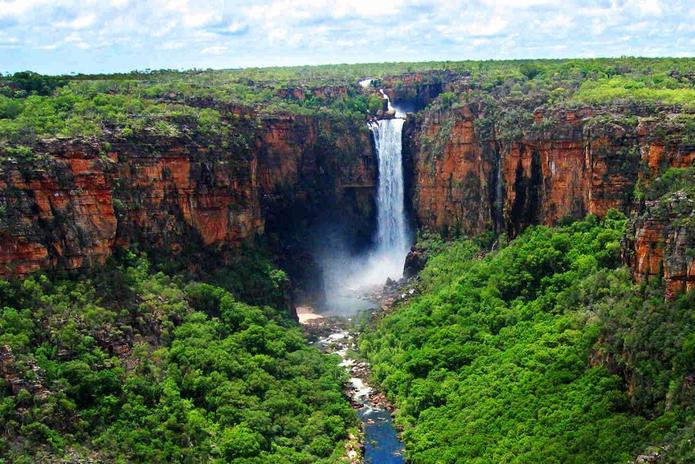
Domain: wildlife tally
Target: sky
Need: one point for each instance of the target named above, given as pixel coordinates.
(66, 36)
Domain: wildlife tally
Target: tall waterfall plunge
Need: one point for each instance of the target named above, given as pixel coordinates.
(348, 278)
(392, 241)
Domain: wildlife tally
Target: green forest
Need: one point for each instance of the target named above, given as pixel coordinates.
(534, 348)
(130, 364)
(542, 351)
(169, 102)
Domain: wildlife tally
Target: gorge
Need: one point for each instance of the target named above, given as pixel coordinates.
(289, 173)
(150, 225)
(349, 293)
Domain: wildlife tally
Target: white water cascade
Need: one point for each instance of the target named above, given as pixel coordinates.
(348, 278)
(392, 239)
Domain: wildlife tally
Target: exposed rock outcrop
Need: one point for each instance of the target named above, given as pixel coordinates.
(16, 378)
(74, 201)
(468, 178)
(419, 88)
(661, 243)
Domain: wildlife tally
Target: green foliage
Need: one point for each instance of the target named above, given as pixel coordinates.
(9, 107)
(137, 366)
(657, 88)
(530, 70)
(167, 102)
(447, 263)
(672, 180)
(523, 355)
(31, 83)
(435, 145)
(448, 99)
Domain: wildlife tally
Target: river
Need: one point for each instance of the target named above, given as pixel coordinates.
(348, 279)
(336, 334)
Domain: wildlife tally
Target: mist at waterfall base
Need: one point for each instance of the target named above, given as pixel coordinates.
(348, 279)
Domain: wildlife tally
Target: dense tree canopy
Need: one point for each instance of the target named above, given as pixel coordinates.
(544, 351)
(131, 365)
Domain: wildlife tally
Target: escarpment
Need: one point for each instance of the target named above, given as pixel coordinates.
(68, 203)
(470, 179)
(472, 164)
(471, 174)
(660, 241)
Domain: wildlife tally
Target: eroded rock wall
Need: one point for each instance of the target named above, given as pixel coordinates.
(69, 203)
(467, 180)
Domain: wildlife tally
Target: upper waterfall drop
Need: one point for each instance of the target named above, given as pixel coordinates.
(399, 113)
(392, 234)
(393, 237)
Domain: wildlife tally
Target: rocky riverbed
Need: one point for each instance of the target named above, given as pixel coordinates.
(380, 443)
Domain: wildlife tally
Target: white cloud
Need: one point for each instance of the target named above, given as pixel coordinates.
(9, 43)
(557, 22)
(164, 29)
(479, 42)
(520, 4)
(172, 45)
(51, 46)
(215, 50)
(236, 26)
(303, 10)
(81, 22)
(364, 8)
(638, 26)
(192, 14)
(14, 8)
(649, 7)
(76, 39)
(313, 31)
(491, 27)
(200, 18)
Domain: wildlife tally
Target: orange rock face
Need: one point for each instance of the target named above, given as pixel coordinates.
(452, 180)
(661, 236)
(74, 205)
(564, 171)
(660, 243)
(466, 181)
(77, 200)
(469, 183)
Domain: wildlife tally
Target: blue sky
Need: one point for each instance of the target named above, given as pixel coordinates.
(63, 36)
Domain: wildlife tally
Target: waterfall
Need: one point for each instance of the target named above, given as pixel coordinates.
(392, 237)
(392, 233)
(348, 278)
(397, 110)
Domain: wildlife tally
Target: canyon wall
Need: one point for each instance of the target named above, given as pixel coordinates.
(466, 179)
(416, 90)
(67, 204)
(660, 243)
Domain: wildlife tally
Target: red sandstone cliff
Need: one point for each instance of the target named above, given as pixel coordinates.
(660, 243)
(74, 201)
(661, 238)
(469, 179)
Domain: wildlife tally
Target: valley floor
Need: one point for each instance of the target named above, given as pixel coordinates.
(380, 439)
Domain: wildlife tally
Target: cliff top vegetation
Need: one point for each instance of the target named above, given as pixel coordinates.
(165, 102)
